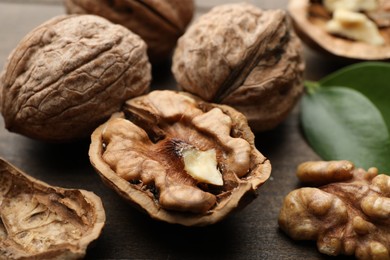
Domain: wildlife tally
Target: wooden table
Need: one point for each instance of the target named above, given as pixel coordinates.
(128, 234)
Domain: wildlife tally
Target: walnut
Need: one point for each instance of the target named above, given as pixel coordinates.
(180, 159)
(159, 23)
(349, 215)
(315, 26)
(244, 57)
(69, 75)
(38, 221)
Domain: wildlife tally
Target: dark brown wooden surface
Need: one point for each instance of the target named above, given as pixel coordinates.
(128, 234)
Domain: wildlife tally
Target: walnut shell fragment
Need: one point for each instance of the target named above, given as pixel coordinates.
(69, 75)
(242, 56)
(139, 153)
(310, 19)
(349, 214)
(39, 221)
(158, 23)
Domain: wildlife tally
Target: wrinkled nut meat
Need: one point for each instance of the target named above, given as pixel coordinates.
(244, 57)
(312, 20)
(159, 23)
(38, 221)
(349, 214)
(180, 159)
(69, 75)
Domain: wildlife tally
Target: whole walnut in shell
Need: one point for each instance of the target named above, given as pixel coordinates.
(159, 23)
(242, 56)
(179, 159)
(349, 214)
(39, 221)
(69, 75)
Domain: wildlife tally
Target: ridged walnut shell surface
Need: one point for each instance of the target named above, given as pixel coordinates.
(39, 221)
(309, 20)
(138, 153)
(242, 56)
(69, 75)
(159, 22)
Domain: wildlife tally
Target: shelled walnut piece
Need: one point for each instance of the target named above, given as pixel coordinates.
(310, 19)
(348, 20)
(38, 221)
(349, 214)
(244, 57)
(141, 154)
(68, 75)
(355, 26)
(159, 23)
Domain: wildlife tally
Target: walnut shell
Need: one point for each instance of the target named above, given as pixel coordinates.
(242, 56)
(349, 214)
(69, 75)
(39, 221)
(159, 23)
(139, 153)
(309, 19)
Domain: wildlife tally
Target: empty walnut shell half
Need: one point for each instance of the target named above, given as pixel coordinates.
(349, 214)
(309, 20)
(159, 23)
(39, 221)
(180, 159)
(69, 75)
(242, 56)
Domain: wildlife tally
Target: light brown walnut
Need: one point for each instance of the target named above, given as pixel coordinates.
(38, 221)
(179, 159)
(348, 215)
(158, 22)
(242, 56)
(69, 75)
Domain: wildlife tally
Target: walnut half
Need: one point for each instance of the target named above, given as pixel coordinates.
(311, 22)
(38, 221)
(180, 159)
(349, 215)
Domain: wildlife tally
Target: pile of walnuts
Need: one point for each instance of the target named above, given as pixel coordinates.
(235, 66)
(70, 74)
(238, 68)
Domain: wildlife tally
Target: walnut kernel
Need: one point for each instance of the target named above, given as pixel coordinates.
(202, 165)
(140, 152)
(349, 215)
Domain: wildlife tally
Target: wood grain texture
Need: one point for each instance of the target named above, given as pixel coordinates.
(252, 233)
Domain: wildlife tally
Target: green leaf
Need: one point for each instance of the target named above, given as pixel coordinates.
(360, 120)
(342, 124)
(372, 79)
